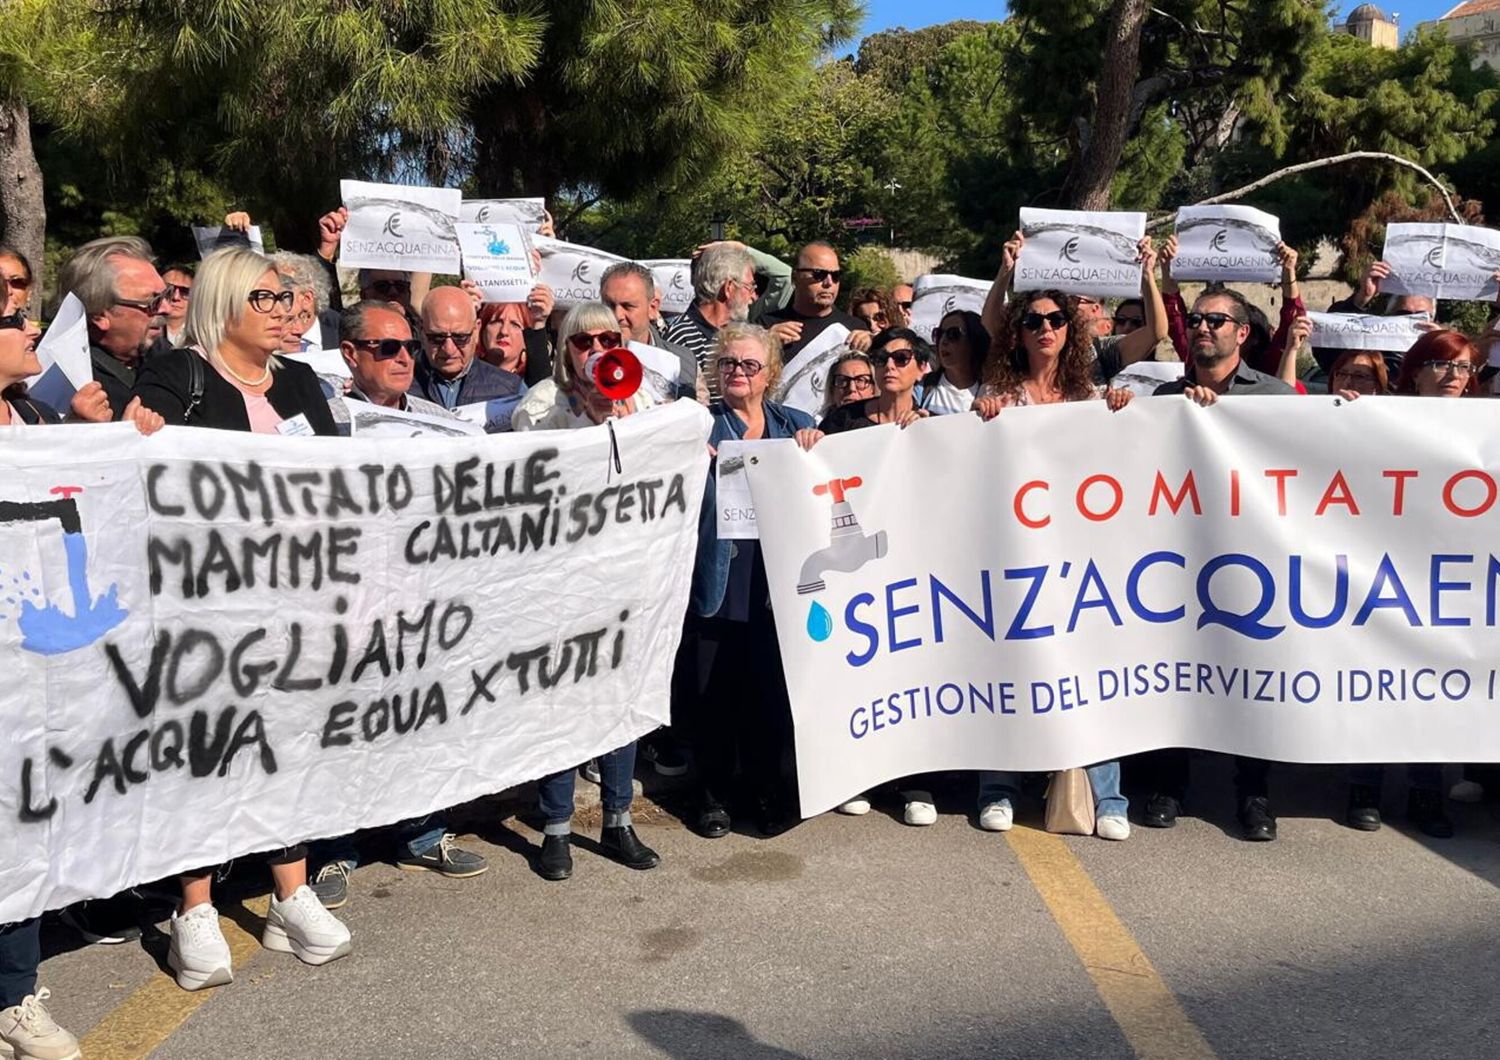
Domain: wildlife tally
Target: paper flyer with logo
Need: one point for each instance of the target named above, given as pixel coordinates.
(804, 382)
(1228, 243)
(674, 282)
(1364, 331)
(1080, 252)
(937, 294)
(216, 237)
(529, 213)
(497, 257)
(395, 226)
(1442, 260)
(572, 270)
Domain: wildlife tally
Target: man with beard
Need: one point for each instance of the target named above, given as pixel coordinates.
(723, 290)
(630, 292)
(122, 294)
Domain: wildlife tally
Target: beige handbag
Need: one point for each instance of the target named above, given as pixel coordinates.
(1070, 803)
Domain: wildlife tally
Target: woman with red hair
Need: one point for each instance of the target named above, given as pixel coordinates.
(1441, 363)
(513, 335)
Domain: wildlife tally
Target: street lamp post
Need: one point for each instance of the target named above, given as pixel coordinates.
(893, 186)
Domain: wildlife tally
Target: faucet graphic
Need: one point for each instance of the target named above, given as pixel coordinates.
(849, 547)
(49, 630)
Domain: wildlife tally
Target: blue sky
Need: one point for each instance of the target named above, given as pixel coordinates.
(884, 14)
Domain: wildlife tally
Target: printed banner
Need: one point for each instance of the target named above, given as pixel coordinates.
(1254, 578)
(1080, 252)
(674, 282)
(804, 382)
(1227, 243)
(572, 270)
(221, 644)
(216, 237)
(1442, 260)
(1364, 331)
(394, 226)
(936, 295)
(497, 257)
(529, 213)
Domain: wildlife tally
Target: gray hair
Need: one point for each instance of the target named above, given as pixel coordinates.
(585, 316)
(352, 322)
(221, 292)
(717, 266)
(629, 268)
(739, 331)
(305, 274)
(90, 273)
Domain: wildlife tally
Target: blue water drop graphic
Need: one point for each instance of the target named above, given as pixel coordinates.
(819, 622)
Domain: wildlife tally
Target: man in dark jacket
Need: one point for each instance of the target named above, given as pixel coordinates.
(449, 372)
(121, 292)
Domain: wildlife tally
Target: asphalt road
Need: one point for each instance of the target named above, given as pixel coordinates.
(865, 938)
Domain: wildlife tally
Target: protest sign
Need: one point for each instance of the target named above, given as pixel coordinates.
(220, 643)
(529, 213)
(1254, 578)
(572, 270)
(323, 362)
(804, 382)
(1227, 243)
(216, 237)
(674, 282)
(67, 363)
(936, 295)
(1365, 331)
(660, 370)
(367, 420)
(492, 416)
(1441, 260)
(497, 257)
(734, 513)
(1080, 252)
(393, 226)
(1143, 377)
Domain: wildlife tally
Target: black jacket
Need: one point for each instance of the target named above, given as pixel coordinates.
(163, 386)
(117, 379)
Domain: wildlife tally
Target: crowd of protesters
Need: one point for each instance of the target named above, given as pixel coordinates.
(205, 345)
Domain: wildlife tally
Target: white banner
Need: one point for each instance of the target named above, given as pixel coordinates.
(329, 363)
(529, 213)
(660, 370)
(735, 514)
(1227, 243)
(220, 643)
(1080, 252)
(572, 270)
(368, 420)
(937, 294)
(216, 237)
(1442, 260)
(804, 382)
(1365, 331)
(395, 226)
(1252, 578)
(674, 282)
(1143, 377)
(497, 257)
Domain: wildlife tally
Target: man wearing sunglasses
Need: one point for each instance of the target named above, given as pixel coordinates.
(815, 289)
(1217, 328)
(377, 345)
(449, 373)
(122, 296)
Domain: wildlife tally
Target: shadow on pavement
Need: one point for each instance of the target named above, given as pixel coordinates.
(703, 1036)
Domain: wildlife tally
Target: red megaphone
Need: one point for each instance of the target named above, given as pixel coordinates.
(616, 373)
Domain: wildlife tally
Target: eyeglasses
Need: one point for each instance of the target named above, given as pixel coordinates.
(391, 287)
(264, 301)
(819, 275)
(18, 283)
(951, 334)
(1034, 321)
(905, 306)
(853, 382)
(460, 339)
(1215, 321)
(1129, 322)
(900, 358)
(1458, 368)
(385, 349)
(582, 341)
(1363, 382)
(177, 292)
(145, 305)
(749, 369)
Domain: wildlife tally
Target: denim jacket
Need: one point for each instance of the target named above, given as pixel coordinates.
(724, 571)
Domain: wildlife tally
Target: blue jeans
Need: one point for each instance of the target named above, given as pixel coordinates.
(1428, 775)
(20, 953)
(413, 839)
(1104, 778)
(616, 771)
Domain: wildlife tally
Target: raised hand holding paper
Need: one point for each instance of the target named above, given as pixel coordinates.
(497, 257)
(528, 213)
(64, 353)
(936, 295)
(1229, 243)
(572, 270)
(216, 237)
(674, 282)
(393, 226)
(1080, 252)
(804, 382)
(1442, 260)
(1365, 331)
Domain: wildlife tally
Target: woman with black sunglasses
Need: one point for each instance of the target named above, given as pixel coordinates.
(899, 356)
(962, 344)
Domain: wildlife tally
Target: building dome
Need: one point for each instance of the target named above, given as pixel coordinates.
(1366, 13)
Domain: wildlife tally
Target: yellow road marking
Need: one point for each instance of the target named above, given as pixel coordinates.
(1140, 1001)
(149, 1016)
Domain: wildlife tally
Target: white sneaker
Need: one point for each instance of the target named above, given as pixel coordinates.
(1466, 791)
(919, 809)
(997, 817)
(855, 807)
(28, 1032)
(198, 953)
(302, 927)
(1112, 827)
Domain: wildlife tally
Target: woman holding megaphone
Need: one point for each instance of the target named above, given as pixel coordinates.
(588, 358)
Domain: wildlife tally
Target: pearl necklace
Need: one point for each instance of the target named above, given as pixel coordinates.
(265, 375)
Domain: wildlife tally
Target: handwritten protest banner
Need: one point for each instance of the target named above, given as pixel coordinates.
(394, 226)
(1441, 260)
(935, 295)
(1080, 252)
(1254, 578)
(1365, 331)
(222, 643)
(572, 270)
(1227, 243)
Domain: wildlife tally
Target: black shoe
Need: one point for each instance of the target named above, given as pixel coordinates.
(555, 862)
(1256, 819)
(621, 844)
(105, 921)
(662, 753)
(1424, 808)
(770, 818)
(1161, 811)
(447, 860)
(713, 819)
(1364, 808)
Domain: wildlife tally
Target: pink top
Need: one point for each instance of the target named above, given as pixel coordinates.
(263, 418)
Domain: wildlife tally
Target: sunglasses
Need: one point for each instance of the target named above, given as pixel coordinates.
(145, 305)
(263, 301)
(176, 292)
(460, 339)
(904, 306)
(819, 275)
(1034, 321)
(900, 358)
(1215, 321)
(583, 341)
(390, 287)
(853, 382)
(951, 334)
(18, 283)
(385, 349)
(750, 369)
